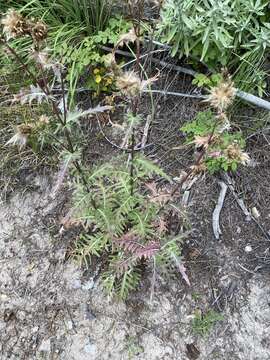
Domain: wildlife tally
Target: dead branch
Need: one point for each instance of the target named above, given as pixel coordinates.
(240, 202)
(218, 208)
(252, 99)
(164, 92)
(187, 187)
(146, 131)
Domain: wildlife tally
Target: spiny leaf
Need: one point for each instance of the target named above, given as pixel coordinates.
(73, 116)
(159, 197)
(130, 243)
(29, 95)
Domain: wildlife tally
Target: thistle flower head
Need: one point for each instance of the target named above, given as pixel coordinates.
(198, 168)
(14, 24)
(20, 138)
(39, 31)
(234, 152)
(222, 95)
(127, 38)
(202, 141)
(131, 85)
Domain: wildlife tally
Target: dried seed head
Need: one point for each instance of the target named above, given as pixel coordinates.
(43, 120)
(41, 58)
(14, 25)
(234, 152)
(20, 138)
(222, 96)
(127, 38)
(129, 83)
(25, 129)
(39, 31)
(198, 168)
(202, 141)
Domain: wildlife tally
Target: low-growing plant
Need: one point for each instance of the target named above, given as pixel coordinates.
(213, 30)
(123, 222)
(225, 152)
(202, 324)
(202, 80)
(217, 147)
(133, 347)
(83, 59)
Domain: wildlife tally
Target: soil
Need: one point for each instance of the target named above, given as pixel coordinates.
(51, 308)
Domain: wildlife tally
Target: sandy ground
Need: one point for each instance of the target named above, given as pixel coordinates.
(52, 309)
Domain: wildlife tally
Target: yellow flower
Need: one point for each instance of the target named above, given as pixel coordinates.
(96, 71)
(109, 81)
(98, 79)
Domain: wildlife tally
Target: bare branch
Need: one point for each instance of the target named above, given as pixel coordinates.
(218, 208)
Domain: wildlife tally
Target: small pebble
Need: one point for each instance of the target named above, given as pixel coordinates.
(45, 346)
(248, 249)
(69, 325)
(255, 212)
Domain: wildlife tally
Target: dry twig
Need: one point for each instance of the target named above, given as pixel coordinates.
(218, 208)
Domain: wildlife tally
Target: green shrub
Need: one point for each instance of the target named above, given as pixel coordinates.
(216, 31)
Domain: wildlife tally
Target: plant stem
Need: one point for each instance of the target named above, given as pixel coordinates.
(189, 172)
(132, 163)
(135, 103)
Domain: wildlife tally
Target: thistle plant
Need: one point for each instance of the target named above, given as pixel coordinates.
(129, 225)
(124, 227)
(42, 90)
(210, 132)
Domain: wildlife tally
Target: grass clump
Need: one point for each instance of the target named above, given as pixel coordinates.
(202, 324)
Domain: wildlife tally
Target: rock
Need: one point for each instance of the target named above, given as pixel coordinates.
(45, 346)
(90, 349)
(248, 249)
(88, 285)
